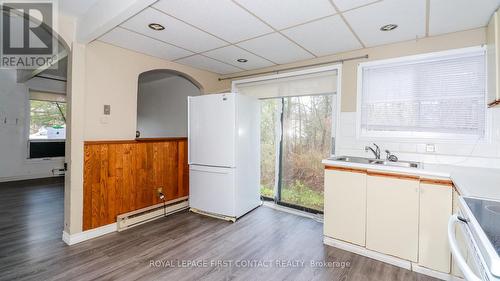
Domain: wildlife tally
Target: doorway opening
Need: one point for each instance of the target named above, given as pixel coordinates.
(34, 108)
(162, 103)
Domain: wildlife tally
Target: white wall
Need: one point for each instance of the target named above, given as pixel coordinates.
(14, 109)
(111, 77)
(101, 74)
(479, 154)
(162, 106)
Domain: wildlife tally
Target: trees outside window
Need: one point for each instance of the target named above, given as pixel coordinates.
(47, 120)
(306, 140)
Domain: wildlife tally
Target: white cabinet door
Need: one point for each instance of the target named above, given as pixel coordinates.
(435, 210)
(493, 59)
(212, 125)
(392, 215)
(345, 205)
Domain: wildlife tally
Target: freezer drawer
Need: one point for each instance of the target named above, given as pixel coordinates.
(212, 190)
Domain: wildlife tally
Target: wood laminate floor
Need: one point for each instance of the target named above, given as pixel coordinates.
(263, 245)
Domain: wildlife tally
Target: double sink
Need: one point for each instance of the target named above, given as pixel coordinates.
(362, 160)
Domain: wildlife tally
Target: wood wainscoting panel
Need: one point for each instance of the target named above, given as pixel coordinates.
(121, 177)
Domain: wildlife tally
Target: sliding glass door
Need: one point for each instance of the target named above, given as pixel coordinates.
(307, 132)
(269, 143)
(296, 134)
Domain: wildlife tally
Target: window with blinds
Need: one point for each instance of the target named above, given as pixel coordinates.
(433, 97)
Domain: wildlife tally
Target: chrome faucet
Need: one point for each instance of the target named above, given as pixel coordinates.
(375, 151)
(390, 157)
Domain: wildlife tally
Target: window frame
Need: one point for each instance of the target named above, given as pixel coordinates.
(29, 122)
(411, 137)
(336, 114)
(27, 127)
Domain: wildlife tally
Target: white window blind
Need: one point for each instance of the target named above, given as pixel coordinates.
(320, 83)
(46, 96)
(434, 97)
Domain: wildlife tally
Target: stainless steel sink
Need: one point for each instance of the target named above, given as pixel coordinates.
(405, 164)
(362, 160)
(354, 159)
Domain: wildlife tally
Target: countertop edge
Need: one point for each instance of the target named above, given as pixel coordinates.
(467, 185)
(384, 168)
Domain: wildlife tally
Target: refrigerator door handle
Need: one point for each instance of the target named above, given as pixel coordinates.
(455, 250)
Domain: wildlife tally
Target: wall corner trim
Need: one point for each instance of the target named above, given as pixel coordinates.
(76, 238)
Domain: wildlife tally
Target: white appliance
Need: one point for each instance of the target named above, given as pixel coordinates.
(479, 221)
(224, 154)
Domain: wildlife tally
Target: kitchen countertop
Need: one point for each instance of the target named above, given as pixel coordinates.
(469, 181)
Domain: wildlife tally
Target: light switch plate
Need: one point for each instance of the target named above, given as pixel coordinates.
(104, 120)
(107, 109)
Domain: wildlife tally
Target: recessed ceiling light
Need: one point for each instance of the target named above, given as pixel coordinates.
(156, 26)
(389, 27)
(241, 60)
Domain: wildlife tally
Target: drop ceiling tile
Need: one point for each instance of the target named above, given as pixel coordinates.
(130, 40)
(455, 15)
(275, 47)
(231, 54)
(409, 15)
(175, 32)
(209, 64)
(344, 5)
(222, 18)
(323, 37)
(280, 14)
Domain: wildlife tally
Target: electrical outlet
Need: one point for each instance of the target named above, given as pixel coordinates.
(430, 148)
(161, 195)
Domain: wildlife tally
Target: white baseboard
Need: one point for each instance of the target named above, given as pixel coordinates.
(434, 273)
(388, 259)
(113, 227)
(367, 253)
(28, 177)
(72, 239)
(145, 215)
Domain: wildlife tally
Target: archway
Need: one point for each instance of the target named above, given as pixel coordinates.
(30, 154)
(162, 103)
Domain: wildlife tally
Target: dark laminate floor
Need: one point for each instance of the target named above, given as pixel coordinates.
(31, 218)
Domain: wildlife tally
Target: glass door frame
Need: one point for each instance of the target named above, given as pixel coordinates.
(280, 155)
(336, 111)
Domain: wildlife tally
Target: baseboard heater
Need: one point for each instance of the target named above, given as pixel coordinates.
(138, 217)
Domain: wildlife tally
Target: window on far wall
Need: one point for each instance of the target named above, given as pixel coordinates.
(440, 96)
(47, 116)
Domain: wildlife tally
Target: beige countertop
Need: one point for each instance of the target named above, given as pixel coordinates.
(469, 181)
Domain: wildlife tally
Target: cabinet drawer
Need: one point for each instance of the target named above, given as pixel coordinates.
(435, 210)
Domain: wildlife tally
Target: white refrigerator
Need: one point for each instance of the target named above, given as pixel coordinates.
(224, 154)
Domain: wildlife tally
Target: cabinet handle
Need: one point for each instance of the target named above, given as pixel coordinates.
(455, 251)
